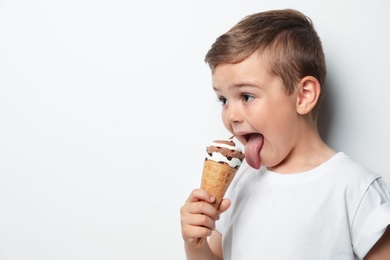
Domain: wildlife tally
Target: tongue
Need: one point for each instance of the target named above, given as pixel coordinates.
(252, 150)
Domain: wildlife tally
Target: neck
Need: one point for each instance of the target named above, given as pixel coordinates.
(309, 152)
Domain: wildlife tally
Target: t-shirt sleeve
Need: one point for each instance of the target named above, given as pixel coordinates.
(372, 218)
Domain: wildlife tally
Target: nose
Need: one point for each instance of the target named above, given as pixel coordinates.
(233, 114)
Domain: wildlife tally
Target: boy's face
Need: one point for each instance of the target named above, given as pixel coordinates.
(255, 104)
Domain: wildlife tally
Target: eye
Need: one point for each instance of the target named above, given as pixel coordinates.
(247, 97)
(222, 100)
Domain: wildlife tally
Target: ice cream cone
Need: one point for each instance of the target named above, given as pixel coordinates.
(222, 161)
(216, 178)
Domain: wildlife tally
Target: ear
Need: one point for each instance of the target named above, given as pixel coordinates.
(309, 90)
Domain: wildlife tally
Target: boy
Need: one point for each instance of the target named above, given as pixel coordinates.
(293, 197)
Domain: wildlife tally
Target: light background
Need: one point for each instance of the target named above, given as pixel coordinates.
(106, 108)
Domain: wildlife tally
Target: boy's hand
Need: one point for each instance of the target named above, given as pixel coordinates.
(198, 217)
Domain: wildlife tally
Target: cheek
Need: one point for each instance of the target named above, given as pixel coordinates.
(225, 122)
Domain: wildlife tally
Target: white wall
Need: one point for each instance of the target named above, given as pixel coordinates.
(106, 108)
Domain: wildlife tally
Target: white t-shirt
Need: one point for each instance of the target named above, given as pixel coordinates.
(335, 211)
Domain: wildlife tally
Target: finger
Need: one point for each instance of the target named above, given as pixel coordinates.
(192, 233)
(225, 205)
(196, 225)
(200, 194)
(199, 220)
(203, 208)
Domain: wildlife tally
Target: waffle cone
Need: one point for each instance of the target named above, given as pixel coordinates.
(216, 178)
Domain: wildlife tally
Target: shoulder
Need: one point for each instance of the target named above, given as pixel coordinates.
(358, 184)
(352, 173)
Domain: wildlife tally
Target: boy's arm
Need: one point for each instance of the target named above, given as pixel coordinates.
(381, 249)
(211, 250)
(215, 243)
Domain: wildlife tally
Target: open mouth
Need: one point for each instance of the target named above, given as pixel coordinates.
(246, 137)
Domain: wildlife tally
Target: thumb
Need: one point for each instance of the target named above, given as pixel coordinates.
(225, 204)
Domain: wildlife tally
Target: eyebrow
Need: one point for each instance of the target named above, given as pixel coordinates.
(237, 86)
